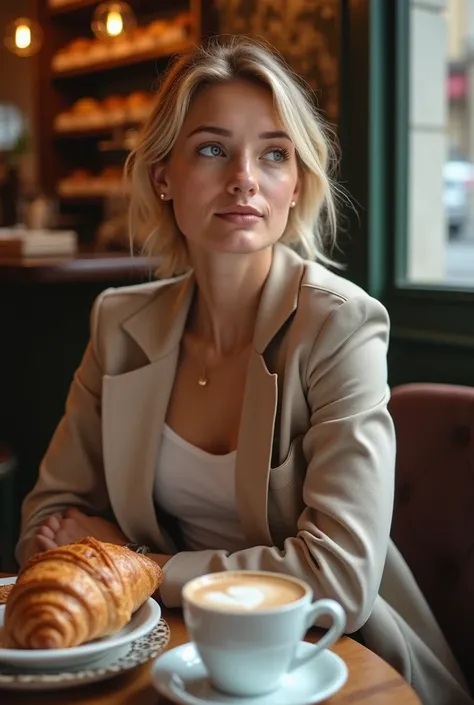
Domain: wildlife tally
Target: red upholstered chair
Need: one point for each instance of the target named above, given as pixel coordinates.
(433, 524)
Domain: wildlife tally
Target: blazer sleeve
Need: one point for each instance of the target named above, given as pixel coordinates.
(342, 534)
(71, 473)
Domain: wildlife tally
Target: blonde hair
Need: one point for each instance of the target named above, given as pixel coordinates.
(311, 227)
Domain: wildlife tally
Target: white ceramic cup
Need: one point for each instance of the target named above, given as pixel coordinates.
(246, 652)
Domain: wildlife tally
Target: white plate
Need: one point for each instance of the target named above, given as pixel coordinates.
(142, 622)
(138, 652)
(7, 581)
(179, 675)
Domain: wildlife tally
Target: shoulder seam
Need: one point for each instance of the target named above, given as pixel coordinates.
(325, 289)
(329, 317)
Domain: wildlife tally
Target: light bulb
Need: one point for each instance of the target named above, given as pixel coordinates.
(114, 24)
(112, 20)
(23, 37)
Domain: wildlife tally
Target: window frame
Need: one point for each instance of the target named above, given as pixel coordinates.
(438, 313)
(375, 173)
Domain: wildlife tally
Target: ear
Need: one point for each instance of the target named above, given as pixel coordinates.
(160, 181)
(297, 190)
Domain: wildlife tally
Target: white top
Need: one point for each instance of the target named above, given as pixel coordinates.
(198, 488)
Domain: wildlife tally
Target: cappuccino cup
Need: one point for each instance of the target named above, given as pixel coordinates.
(246, 626)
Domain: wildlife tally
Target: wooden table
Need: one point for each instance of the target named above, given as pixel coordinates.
(371, 681)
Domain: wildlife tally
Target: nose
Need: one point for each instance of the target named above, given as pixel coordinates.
(243, 179)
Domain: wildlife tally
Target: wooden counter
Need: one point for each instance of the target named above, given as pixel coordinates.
(86, 267)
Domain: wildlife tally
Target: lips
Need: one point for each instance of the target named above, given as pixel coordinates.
(240, 218)
(240, 215)
(240, 210)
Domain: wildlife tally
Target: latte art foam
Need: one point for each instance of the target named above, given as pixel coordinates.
(246, 593)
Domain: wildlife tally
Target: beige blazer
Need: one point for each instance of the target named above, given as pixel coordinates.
(315, 456)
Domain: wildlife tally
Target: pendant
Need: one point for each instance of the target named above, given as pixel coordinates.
(202, 381)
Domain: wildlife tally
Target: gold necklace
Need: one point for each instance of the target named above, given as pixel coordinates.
(203, 379)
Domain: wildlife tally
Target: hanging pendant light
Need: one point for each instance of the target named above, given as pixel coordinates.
(23, 37)
(112, 20)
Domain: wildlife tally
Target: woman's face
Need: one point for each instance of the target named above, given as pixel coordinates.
(232, 173)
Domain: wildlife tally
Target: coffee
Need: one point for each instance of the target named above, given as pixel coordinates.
(244, 592)
(247, 626)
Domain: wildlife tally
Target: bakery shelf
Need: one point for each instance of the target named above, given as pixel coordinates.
(95, 131)
(92, 146)
(86, 199)
(139, 6)
(123, 61)
(71, 6)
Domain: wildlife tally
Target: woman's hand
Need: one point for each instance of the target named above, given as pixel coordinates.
(57, 530)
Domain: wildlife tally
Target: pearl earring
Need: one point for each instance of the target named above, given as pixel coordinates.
(162, 196)
(292, 204)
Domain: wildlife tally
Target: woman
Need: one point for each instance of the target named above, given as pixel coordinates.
(234, 413)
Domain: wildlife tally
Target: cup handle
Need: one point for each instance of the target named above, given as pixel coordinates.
(319, 608)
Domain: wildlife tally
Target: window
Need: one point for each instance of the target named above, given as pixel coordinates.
(439, 168)
(11, 126)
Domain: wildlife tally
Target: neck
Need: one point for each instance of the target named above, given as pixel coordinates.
(228, 294)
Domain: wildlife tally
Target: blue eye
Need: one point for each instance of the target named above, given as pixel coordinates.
(211, 150)
(280, 155)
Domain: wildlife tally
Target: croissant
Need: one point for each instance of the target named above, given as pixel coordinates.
(75, 593)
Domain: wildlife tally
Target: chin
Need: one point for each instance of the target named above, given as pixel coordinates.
(239, 249)
(243, 242)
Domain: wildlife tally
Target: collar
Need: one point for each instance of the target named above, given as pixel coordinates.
(158, 326)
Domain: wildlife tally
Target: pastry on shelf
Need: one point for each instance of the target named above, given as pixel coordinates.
(83, 183)
(109, 180)
(159, 33)
(157, 28)
(61, 60)
(142, 40)
(85, 113)
(165, 32)
(139, 106)
(99, 52)
(120, 46)
(88, 113)
(114, 108)
(65, 121)
(79, 50)
(79, 182)
(74, 54)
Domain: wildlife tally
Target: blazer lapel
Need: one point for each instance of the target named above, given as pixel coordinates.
(134, 412)
(254, 448)
(259, 409)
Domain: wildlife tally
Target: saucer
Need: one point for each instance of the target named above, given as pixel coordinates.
(179, 675)
(136, 653)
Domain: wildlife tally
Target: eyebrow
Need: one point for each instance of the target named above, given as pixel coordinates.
(273, 134)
